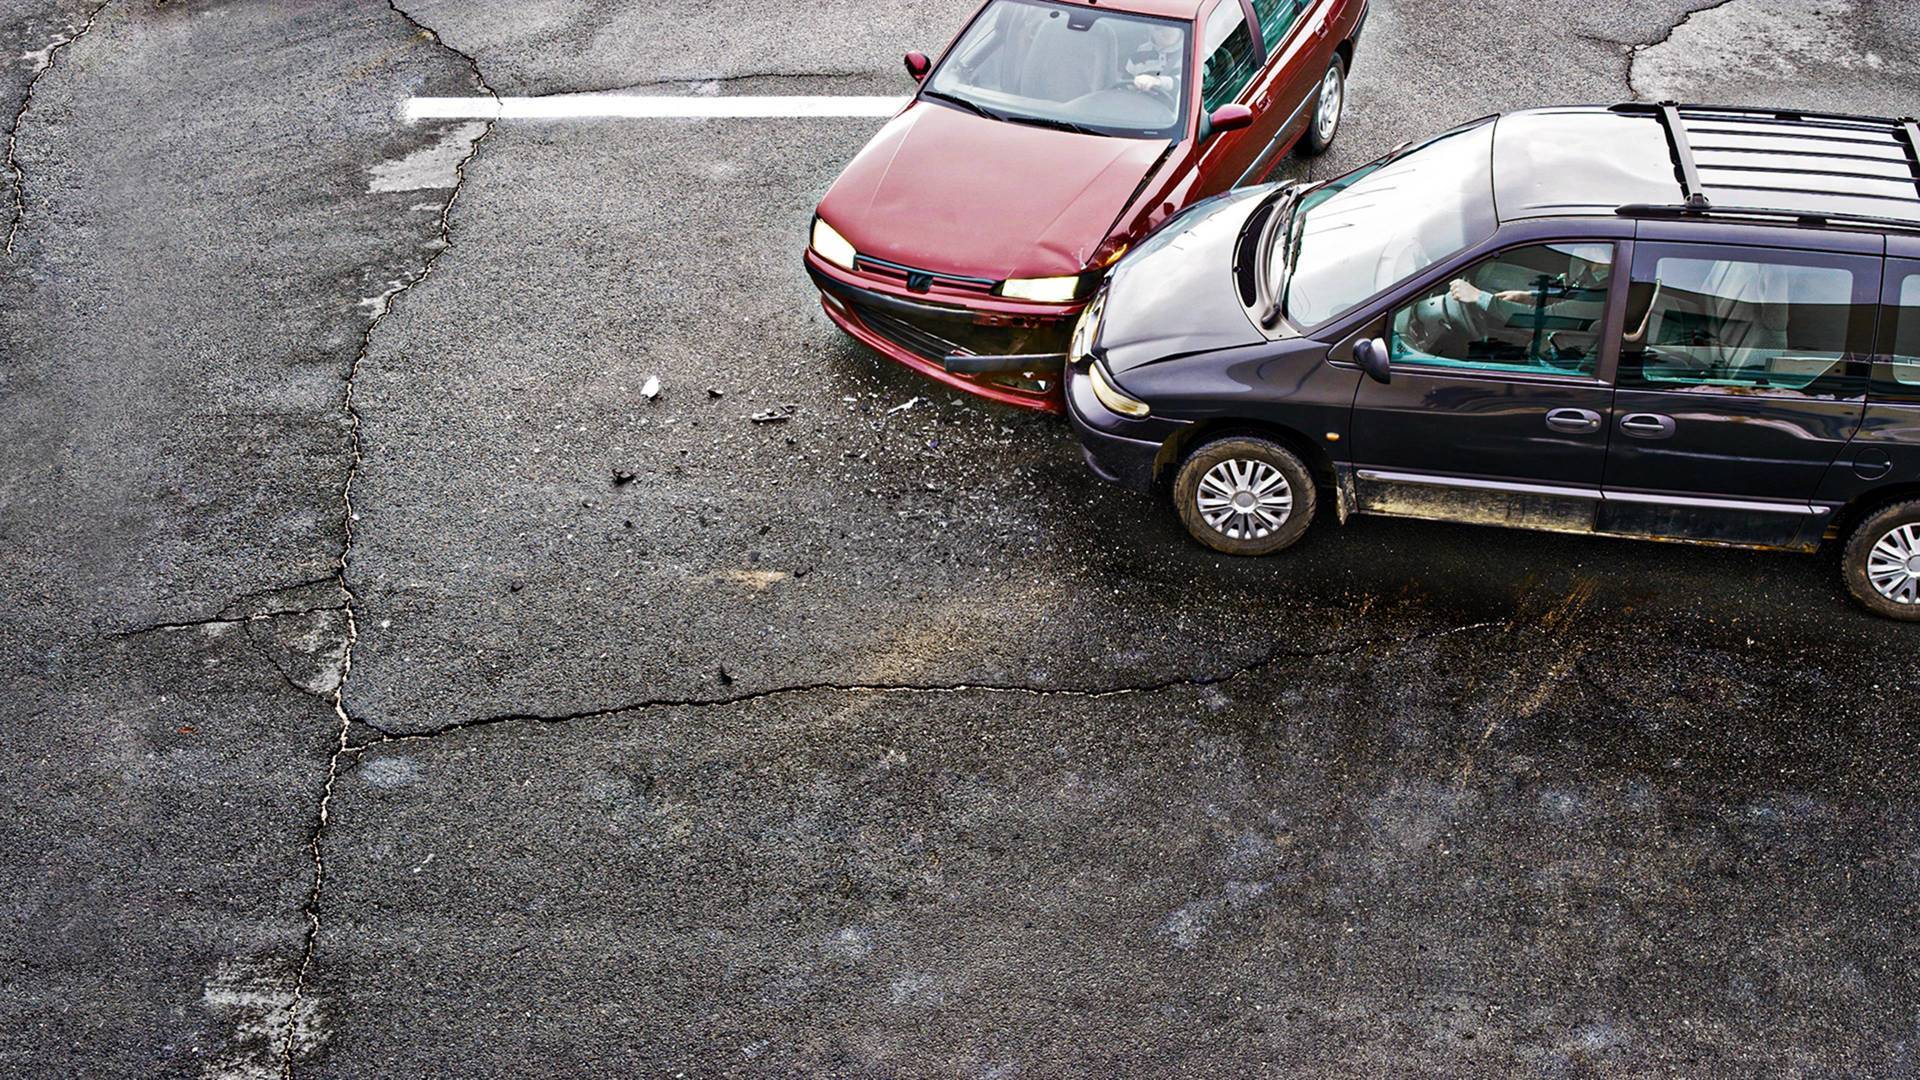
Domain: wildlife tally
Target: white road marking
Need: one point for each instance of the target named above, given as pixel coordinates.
(646, 106)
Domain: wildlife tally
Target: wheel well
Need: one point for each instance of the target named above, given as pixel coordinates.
(1866, 505)
(1176, 449)
(1345, 52)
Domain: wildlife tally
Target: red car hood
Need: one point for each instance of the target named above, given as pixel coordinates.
(948, 191)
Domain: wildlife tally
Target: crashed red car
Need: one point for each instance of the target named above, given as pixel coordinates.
(965, 239)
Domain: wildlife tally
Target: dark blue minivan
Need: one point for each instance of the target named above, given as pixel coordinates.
(1651, 320)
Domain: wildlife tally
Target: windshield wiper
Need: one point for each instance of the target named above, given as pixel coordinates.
(970, 106)
(1281, 219)
(1048, 122)
(1292, 240)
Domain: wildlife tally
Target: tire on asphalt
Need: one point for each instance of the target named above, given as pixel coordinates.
(1313, 143)
(1244, 534)
(1899, 526)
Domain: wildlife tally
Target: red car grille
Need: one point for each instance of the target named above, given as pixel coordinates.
(936, 338)
(918, 280)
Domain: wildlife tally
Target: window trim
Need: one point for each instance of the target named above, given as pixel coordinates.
(1868, 273)
(1609, 332)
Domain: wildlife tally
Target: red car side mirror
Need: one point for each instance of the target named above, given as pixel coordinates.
(918, 65)
(1228, 118)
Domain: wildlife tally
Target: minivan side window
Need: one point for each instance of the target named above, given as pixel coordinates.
(1739, 321)
(1227, 44)
(1536, 309)
(1898, 378)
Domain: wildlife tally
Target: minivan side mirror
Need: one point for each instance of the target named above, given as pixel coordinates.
(1230, 117)
(1371, 355)
(918, 65)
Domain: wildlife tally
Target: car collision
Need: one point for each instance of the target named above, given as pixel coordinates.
(1050, 138)
(1648, 320)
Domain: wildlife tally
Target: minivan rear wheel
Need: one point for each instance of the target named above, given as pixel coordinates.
(1245, 495)
(1882, 562)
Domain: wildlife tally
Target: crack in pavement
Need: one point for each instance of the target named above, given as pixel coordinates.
(19, 215)
(311, 908)
(1663, 39)
(220, 620)
(386, 737)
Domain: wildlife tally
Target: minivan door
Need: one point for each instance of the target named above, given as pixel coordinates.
(1496, 412)
(1742, 374)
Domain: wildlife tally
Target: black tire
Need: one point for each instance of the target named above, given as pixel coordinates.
(1902, 519)
(1245, 531)
(1314, 142)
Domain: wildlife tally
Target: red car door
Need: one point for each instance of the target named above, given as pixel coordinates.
(1299, 38)
(1231, 70)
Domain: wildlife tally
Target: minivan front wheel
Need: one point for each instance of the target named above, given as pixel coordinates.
(1882, 562)
(1244, 495)
(1329, 105)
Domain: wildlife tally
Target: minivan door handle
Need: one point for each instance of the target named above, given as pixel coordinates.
(1646, 425)
(1574, 421)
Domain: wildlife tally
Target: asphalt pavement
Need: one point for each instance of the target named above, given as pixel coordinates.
(394, 688)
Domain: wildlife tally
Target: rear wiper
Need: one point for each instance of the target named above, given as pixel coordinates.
(970, 106)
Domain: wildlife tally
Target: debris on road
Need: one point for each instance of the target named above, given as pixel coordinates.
(904, 406)
(716, 393)
(778, 415)
(651, 388)
(755, 580)
(621, 477)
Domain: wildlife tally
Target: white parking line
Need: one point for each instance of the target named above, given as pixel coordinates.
(645, 106)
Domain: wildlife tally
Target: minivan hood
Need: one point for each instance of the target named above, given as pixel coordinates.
(1175, 294)
(949, 191)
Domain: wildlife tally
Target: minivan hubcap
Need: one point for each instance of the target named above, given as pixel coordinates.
(1244, 500)
(1328, 117)
(1893, 566)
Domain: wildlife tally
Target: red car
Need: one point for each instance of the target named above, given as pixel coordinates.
(965, 239)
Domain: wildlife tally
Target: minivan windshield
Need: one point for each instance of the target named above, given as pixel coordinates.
(1381, 224)
(1103, 72)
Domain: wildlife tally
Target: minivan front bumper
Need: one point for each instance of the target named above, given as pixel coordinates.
(1113, 445)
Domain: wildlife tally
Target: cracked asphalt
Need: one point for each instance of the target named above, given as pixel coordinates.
(361, 724)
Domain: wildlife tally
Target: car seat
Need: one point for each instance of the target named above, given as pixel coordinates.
(1064, 63)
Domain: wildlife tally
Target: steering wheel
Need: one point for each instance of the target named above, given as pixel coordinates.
(1469, 319)
(1442, 326)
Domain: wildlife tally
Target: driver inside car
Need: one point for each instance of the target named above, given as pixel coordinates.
(1547, 310)
(1155, 67)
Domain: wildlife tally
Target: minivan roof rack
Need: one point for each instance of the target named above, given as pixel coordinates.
(1808, 168)
(1795, 217)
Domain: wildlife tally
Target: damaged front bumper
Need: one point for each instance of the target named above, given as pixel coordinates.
(1003, 351)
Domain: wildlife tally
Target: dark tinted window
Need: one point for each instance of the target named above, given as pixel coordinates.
(1745, 321)
(1899, 378)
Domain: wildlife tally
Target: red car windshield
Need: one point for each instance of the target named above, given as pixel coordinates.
(1084, 69)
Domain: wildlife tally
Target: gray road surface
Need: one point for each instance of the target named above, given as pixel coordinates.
(360, 725)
